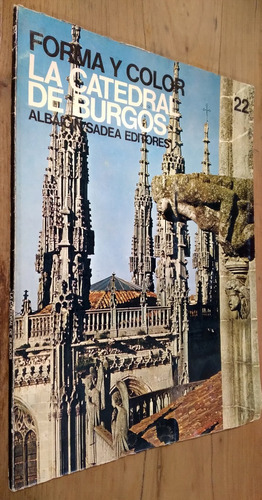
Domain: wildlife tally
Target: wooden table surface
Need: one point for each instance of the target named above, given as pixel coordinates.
(223, 36)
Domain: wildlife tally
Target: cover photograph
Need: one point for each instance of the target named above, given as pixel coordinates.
(133, 317)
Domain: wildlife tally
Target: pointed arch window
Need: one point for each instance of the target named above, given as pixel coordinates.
(31, 458)
(64, 437)
(24, 448)
(18, 461)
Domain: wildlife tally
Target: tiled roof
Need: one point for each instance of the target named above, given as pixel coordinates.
(126, 293)
(46, 310)
(101, 299)
(198, 412)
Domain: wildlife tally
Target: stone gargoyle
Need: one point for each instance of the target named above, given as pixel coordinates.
(221, 204)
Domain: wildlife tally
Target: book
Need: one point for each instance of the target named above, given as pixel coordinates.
(133, 306)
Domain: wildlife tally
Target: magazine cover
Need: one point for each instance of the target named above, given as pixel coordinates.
(133, 304)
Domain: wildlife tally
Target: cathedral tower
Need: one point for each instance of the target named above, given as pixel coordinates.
(172, 244)
(66, 239)
(142, 262)
(205, 257)
(65, 244)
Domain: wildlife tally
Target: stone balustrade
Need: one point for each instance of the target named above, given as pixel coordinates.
(34, 328)
(19, 331)
(128, 320)
(158, 316)
(97, 320)
(144, 406)
(40, 326)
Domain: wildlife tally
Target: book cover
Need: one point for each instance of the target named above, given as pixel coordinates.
(133, 307)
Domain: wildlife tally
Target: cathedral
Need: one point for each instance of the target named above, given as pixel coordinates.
(94, 360)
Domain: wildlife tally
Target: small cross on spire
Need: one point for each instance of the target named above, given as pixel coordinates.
(207, 110)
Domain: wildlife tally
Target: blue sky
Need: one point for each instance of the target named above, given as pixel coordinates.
(113, 163)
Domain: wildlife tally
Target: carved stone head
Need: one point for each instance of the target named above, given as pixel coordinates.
(116, 399)
(238, 298)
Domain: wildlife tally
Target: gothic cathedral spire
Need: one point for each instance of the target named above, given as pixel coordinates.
(172, 244)
(205, 257)
(142, 262)
(66, 239)
(173, 161)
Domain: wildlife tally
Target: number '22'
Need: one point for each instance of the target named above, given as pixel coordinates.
(241, 105)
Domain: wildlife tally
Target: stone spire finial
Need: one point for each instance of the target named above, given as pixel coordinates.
(53, 143)
(26, 304)
(207, 110)
(75, 32)
(75, 59)
(143, 174)
(113, 291)
(173, 161)
(206, 163)
(144, 122)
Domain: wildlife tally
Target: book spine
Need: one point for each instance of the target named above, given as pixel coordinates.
(12, 246)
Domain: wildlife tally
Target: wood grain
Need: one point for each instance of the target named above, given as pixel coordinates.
(216, 35)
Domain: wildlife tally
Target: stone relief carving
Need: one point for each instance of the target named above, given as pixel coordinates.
(120, 419)
(221, 204)
(32, 370)
(95, 402)
(238, 298)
